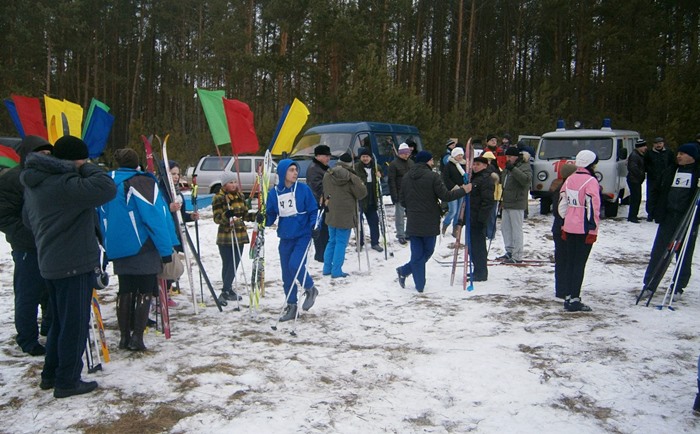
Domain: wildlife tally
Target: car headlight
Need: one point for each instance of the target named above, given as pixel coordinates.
(599, 176)
(542, 176)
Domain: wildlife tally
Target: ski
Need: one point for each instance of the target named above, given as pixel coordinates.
(257, 250)
(163, 302)
(382, 213)
(100, 326)
(495, 263)
(180, 223)
(193, 198)
(468, 278)
(150, 166)
(198, 261)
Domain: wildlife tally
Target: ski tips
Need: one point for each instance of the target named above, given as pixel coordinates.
(274, 327)
(293, 333)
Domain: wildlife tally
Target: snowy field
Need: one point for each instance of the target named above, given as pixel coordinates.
(371, 357)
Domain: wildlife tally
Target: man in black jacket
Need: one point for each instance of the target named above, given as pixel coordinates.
(655, 163)
(677, 189)
(397, 169)
(635, 178)
(481, 204)
(61, 194)
(29, 286)
(314, 179)
(420, 190)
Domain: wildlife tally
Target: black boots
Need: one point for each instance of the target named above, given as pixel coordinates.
(141, 307)
(125, 306)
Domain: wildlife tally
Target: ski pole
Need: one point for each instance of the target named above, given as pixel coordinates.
(240, 260)
(195, 191)
(679, 263)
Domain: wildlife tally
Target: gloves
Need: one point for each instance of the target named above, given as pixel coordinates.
(510, 166)
(591, 238)
(316, 233)
(259, 218)
(166, 259)
(229, 214)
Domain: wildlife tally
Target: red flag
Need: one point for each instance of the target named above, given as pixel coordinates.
(29, 112)
(240, 127)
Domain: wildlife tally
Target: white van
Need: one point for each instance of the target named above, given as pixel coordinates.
(210, 168)
(561, 146)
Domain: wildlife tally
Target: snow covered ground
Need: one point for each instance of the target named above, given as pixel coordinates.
(373, 357)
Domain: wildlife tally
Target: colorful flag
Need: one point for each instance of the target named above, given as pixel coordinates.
(12, 109)
(73, 118)
(241, 127)
(30, 116)
(93, 103)
(213, 105)
(63, 118)
(291, 123)
(97, 131)
(8, 157)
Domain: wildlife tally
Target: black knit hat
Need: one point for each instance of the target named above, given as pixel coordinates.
(513, 152)
(126, 157)
(70, 148)
(640, 143)
(346, 158)
(363, 151)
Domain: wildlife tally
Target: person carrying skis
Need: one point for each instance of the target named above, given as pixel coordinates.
(579, 206)
(139, 238)
(481, 204)
(342, 189)
(677, 187)
(229, 209)
(296, 207)
(61, 193)
(365, 169)
(420, 190)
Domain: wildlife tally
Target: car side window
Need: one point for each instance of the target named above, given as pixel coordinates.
(385, 145)
(244, 165)
(214, 164)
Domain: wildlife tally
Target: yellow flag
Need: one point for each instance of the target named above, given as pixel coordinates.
(74, 114)
(290, 125)
(54, 119)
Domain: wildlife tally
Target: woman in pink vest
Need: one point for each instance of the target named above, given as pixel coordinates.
(579, 206)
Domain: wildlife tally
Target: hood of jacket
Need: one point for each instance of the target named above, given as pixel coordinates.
(38, 167)
(29, 145)
(339, 175)
(282, 169)
(418, 171)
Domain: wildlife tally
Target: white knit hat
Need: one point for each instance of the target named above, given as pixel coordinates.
(585, 158)
(457, 151)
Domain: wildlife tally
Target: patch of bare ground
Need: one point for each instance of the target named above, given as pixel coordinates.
(587, 406)
(161, 419)
(422, 420)
(541, 361)
(625, 259)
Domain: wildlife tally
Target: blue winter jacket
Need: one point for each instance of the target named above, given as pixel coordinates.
(137, 213)
(302, 223)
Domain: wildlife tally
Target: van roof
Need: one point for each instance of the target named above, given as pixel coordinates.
(588, 133)
(353, 127)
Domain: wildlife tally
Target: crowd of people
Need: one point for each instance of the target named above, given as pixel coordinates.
(48, 204)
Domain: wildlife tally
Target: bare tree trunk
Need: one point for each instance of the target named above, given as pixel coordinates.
(470, 44)
(137, 68)
(458, 51)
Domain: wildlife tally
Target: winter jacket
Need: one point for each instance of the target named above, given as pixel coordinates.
(137, 214)
(420, 190)
(676, 197)
(635, 168)
(453, 174)
(283, 200)
(656, 162)
(579, 203)
(481, 200)
(397, 169)
(368, 175)
(516, 184)
(59, 206)
(16, 232)
(314, 178)
(221, 203)
(343, 189)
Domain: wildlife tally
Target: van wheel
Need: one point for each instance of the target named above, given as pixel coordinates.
(215, 188)
(611, 209)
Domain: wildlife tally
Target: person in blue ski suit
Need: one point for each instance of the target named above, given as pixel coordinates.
(296, 207)
(139, 236)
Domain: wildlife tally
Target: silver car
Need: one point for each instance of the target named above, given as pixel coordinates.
(210, 168)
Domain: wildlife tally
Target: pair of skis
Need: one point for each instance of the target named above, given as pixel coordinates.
(257, 242)
(464, 216)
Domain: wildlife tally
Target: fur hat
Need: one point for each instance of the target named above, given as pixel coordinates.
(126, 157)
(70, 148)
(227, 177)
(450, 142)
(363, 151)
(488, 155)
(457, 151)
(690, 149)
(491, 136)
(586, 158)
(404, 149)
(481, 160)
(322, 150)
(639, 143)
(346, 158)
(423, 157)
(513, 152)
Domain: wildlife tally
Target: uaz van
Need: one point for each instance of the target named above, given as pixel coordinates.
(561, 146)
(383, 139)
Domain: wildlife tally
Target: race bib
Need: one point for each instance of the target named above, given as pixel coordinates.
(287, 204)
(682, 180)
(572, 198)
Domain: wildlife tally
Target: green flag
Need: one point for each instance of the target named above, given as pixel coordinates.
(213, 105)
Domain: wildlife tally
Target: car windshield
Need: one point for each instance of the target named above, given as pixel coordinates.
(338, 142)
(567, 148)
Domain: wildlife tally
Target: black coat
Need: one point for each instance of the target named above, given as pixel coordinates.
(420, 190)
(314, 178)
(635, 168)
(656, 162)
(451, 175)
(59, 205)
(397, 169)
(674, 202)
(481, 199)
